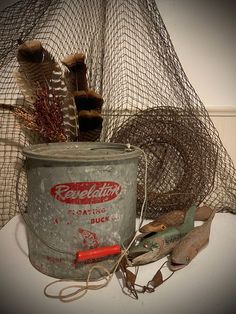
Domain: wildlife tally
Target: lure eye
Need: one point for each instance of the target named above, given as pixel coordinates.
(163, 227)
(145, 245)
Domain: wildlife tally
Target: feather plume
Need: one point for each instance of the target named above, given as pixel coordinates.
(75, 75)
(38, 67)
(88, 102)
(90, 125)
(45, 118)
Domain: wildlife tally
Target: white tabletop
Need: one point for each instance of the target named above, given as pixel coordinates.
(207, 285)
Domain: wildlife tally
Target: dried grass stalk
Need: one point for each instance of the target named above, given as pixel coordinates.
(46, 117)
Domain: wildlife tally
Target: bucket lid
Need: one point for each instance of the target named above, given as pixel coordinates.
(81, 151)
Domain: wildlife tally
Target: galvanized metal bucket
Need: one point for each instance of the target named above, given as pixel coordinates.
(80, 196)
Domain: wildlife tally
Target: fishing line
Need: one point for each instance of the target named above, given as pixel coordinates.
(83, 289)
(87, 286)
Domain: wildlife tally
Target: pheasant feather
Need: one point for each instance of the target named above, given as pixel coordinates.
(88, 102)
(37, 67)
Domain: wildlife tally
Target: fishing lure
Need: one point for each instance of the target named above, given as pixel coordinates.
(190, 245)
(174, 218)
(154, 246)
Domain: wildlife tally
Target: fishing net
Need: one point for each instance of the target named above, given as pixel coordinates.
(148, 100)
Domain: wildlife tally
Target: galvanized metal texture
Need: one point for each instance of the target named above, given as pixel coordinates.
(77, 201)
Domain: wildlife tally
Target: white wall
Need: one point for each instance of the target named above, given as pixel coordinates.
(226, 126)
(204, 36)
(203, 33)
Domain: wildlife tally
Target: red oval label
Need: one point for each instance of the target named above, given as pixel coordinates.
(85, 192)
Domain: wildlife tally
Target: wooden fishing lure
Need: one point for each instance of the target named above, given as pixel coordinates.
(154, 246)
(189, 246)
(174, 218)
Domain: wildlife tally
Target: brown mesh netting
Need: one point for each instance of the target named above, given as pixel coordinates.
(182, 159)
(148, 100)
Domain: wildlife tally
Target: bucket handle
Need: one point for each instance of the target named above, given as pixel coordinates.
(98, 253)
(80, 256)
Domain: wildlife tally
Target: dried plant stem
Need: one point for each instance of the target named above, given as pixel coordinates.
(46, 118)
